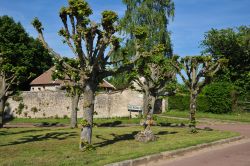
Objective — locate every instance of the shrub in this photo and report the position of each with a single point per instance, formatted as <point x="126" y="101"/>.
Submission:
<point x="20" y="108"/>
<point x="181" y="103"/>
<point x="34" y="110"/>
<point x="219" y="97"/>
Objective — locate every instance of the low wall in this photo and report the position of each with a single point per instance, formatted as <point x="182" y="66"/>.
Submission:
<point x="47" y="104"/>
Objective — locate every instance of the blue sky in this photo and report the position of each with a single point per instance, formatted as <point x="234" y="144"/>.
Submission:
<point x="192" y="19"/>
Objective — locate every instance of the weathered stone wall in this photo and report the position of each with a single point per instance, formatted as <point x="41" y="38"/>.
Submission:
<point x="47" y="104"/>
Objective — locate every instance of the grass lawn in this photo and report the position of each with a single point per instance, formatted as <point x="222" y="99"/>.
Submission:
<point x="240" y="117"/>
<point x="59" y="146"/>
<point x="98" y="121"/>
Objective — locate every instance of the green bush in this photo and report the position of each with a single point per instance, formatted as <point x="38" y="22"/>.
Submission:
<point x="178" y="102"/>
<point x="181" y="103"/>
<point x="219" y="97"/>
<point x="202" y="103"/>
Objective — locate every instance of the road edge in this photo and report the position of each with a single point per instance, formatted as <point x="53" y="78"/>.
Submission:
<point x="169" y="154"/>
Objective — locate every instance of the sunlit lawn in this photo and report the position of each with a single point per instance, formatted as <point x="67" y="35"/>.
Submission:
<point x="239" y="116"/>
<point x="59" y="146"/>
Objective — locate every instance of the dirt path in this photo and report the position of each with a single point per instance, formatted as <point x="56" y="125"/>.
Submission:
<point x="233" y="154"/>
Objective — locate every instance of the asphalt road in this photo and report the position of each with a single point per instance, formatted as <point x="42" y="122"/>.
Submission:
<point x="233" y="154"/>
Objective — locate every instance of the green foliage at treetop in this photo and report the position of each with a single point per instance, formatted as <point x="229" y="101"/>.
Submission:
<point x="20" y="54"/>
<point x="153" y="16"/>
<point x="234" y="45"/>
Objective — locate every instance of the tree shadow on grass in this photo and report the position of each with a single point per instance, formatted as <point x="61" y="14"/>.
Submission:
<point x="43" y="137"/>
<point x="109" y="124"/>
<point x="166" y="132"/>
<point x="163" y="124"/>
<point x="124" y="137"/>
<point x="5" y="133"/>
<point x="116" y="138"/>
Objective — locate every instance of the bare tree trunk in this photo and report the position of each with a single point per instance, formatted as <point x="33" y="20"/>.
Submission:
<point x="2" y="106"/>
<point x="88" y="112"/>
<point x="192" y="108"/>
<point x="75" y="101"/>
<point x="145" y="104"/>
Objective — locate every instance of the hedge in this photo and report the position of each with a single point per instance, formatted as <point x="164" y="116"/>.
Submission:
<point x="181" y="102"/>
<point x="217" y="98"/>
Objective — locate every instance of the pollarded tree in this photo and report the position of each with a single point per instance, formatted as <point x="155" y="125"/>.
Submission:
<point x="21" y="59"/>
<point x="99" y="42"/>
<point x="72" y="83"/>
<point x="196" y="72"/>
<point x="155" y="75"/>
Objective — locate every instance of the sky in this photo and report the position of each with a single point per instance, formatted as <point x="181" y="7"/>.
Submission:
<point x="192" y="19"/>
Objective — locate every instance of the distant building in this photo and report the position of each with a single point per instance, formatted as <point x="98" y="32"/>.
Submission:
<point x="45" y="83"/>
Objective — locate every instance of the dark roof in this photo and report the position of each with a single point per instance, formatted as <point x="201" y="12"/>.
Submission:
<point x="46" y="79"/>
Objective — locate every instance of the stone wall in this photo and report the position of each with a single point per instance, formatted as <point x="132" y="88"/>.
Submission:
<point x="47" y="104"/>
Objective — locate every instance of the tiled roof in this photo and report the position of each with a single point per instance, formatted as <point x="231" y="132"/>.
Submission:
<point x="106" y="84"/>
<point x="46" y="79"/>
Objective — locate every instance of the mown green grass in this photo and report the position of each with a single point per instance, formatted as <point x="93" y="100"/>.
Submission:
<point x="59" y="146"/>
<point x="239" y="117"/>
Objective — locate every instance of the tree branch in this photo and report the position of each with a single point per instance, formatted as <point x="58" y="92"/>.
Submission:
<point x="9" y="84"/>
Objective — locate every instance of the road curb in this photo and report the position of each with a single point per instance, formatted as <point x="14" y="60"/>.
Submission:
<point x="168" y="154"/>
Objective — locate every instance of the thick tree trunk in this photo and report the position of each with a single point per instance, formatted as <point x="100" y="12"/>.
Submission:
<point x="88" y="112"/>
<point x="74" y="107"/>
<point x="192" y="108"/>
<point x="2" y="106"/>
<point x="148" y="108"/>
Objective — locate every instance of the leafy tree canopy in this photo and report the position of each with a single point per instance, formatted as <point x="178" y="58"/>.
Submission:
<point x="234" y="45"/>
<point x="21" y="55"/>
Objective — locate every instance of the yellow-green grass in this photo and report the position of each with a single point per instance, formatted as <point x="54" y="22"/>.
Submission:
<point x="59" y="146"/>
<point x="238" y="116"/>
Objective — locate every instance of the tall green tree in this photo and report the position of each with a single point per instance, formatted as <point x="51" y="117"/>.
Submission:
<point x="234" y="45"/>
<point x="99" y="42"/>
<point x="21" y="59"/>
<point x="196" y="72"/>
<point x="154" y="16"/>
